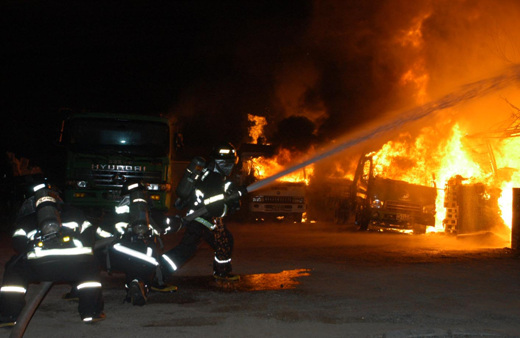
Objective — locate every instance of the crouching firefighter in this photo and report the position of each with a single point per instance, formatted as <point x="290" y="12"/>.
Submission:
<point x="207" y="193"/>
<point x="133" y="245"/>
<point x="53" y="244"/>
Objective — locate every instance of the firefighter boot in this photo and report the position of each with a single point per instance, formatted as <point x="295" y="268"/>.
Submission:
<point x="94" y="319"/>
<point x="7" y="321"/>
<point x="158" y="284"/>
<point x="72" y="295"/>
<point x="137" y="293"/>
<point x="222" y="272"/>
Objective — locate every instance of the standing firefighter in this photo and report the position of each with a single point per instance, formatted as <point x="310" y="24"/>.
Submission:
<point x="133" y="243"/>
<point x="53" y="244"/>
<point x="206" y="191"/>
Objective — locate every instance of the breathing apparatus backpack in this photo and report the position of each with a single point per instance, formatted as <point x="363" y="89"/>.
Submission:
<point x="48" y="217"/>
<point x="192" y="175"/>
<point x="139" y="216"/>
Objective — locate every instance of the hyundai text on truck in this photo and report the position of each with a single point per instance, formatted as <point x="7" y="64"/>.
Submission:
<point x="105" y="150"/>
<point x="383" y="203"/>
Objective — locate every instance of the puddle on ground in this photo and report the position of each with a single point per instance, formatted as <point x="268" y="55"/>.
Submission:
<point x="287" y="279"/>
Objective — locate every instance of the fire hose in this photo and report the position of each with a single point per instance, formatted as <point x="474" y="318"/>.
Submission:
<point x="266" y="181"/>
<point x="29" y="309"/>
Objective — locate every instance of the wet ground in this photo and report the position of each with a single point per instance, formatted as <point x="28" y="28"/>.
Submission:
<point x="317" y="280"/>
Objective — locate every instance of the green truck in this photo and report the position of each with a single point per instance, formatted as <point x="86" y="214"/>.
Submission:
<point x="105" y="150"/>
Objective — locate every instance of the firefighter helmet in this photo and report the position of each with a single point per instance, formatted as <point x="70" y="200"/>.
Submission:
<point x="225" y="157"/>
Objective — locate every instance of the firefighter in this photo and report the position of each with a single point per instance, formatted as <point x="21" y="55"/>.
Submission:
<point x="212" y="196"/>
<point x="132" y="245"/>
<point x="53" y="243"/>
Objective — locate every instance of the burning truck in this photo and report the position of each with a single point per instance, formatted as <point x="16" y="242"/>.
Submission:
<point x="384" y="203"/>
<point x="282" y="200"/>
<point x="419" y="184"/>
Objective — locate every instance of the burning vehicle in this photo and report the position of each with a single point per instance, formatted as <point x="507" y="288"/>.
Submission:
<point x="379" y="202"/>
<point x="285" y="200"/>
<point x="282" y="200"/>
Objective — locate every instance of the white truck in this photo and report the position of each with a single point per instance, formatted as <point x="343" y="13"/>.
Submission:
<point x="281" y="200"/>
<point x="277" y="201"/>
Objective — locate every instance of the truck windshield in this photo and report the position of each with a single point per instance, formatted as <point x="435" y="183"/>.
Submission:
<point x="135" y="138"/>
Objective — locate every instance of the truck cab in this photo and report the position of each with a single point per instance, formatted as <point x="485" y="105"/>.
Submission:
<point x="383" y="203"/>
<point x="105" y="150"/>
<point x="281" y="200"/>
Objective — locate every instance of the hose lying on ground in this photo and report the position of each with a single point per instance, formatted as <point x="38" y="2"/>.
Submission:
<point x="29" y="309"/>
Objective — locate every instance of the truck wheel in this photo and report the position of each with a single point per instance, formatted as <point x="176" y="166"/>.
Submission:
<point x="338" y="219"/>
<point x="362" y="220"/>
<point x="363" y="225"/>
<point x="251" y="217"/>
<point x="297" y="218"/>
<point x="343" y="217"/>
<point x="419" y="229"/>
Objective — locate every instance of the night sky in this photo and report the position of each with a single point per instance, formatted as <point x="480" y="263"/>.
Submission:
<point x="315" y="69"/>
<point x="206" y="63"/>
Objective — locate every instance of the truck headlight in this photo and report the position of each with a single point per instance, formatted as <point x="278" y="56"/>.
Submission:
<point x="299" y="200"/>
<point x="81" y="184"/>
<point x="158" y="187"/>
<point x="376" y="204"/>
<point x="429" y="209"/>
<point x="257" y="199"/>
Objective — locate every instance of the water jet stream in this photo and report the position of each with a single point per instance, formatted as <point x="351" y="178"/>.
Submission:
<point x="465" y="93"/>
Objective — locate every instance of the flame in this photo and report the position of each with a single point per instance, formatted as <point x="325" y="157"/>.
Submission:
<point x="413" y="35"/>
<point x="256" y="128"/>
<point x="507" y="160"/>
<point x="417" y="162"/>
<point x="417" y="74"/>
<point x="265" y="167"/>
<point x="435" y="158"/>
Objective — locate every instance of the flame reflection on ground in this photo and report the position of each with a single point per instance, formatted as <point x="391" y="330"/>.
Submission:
<point x="286" y="279"/>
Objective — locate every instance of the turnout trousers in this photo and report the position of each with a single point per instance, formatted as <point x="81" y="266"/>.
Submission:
<point x="81" y="270"/>
<point x="220" y="239"/>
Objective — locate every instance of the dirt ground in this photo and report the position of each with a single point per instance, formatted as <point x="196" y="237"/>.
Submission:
<point x="316" y="280"/>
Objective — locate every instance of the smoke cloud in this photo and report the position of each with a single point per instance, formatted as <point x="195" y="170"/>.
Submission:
<point x="343" y="64"/>
<point x="339" y="64"/>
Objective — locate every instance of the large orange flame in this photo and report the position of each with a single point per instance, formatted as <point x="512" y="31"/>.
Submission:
<point x="416" y="163"/>
<point x="262" y="167"/>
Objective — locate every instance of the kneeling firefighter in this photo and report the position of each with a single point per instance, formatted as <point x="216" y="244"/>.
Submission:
<point x="53" y="244"/>
<point x="133" y="245"/>
<point x="206" y="191"/>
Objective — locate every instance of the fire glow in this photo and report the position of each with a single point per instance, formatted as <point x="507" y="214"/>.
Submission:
<point x="263" y="167"/>
<point x="430" y="65"/>
<point x="432" y="158"/>
<point x="417" y="162"/>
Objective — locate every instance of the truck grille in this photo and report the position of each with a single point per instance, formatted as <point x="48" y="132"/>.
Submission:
<point x="404" y="207"/>
<point x="115" y="179"/>
<point x="277" y="199"/>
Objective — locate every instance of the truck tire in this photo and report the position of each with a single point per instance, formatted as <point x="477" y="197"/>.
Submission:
<point x="362" y="220"/>
<point x="252" y="217"/>
<point x="297" y="217"/>
<point x="363" y="225"/>
<point x="338" y="219"/>
<point x="419" y="229"/>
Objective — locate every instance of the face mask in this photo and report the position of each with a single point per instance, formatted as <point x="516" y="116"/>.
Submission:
<point x="225" y="166"/>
